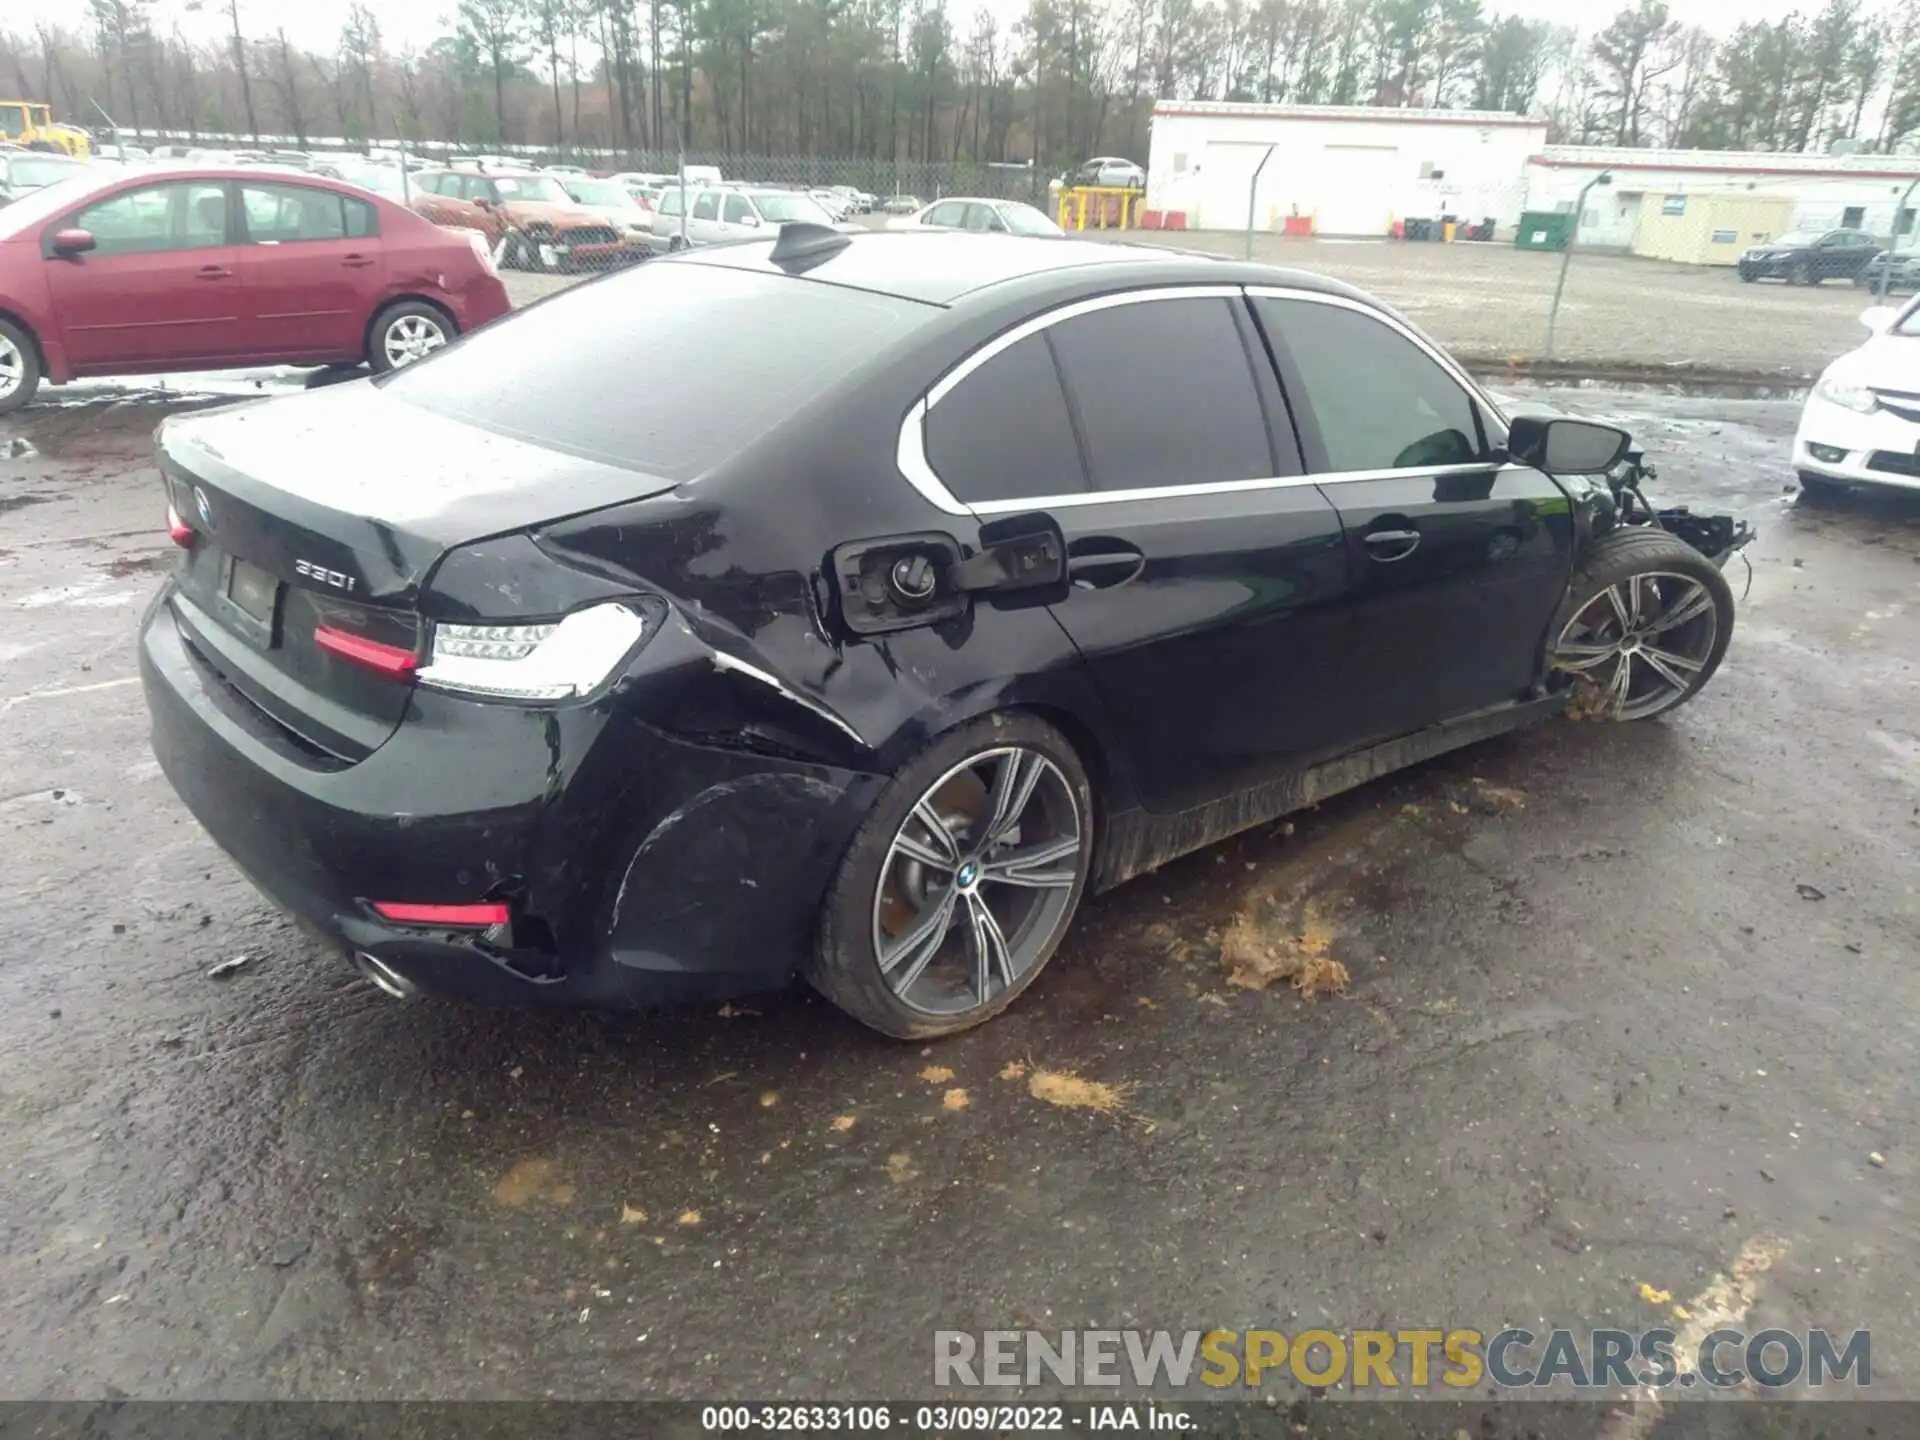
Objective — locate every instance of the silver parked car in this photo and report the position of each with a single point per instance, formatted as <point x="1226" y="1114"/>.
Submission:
<point x="718" y="214"/>
<point x="962" y="212"/>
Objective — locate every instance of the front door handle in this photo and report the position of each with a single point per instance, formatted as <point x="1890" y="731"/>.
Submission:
<point x="1114" y="563"/>
<point x="355" y="262"/>
<point x="212" y="272"/>
<point x="1387" y="546"/>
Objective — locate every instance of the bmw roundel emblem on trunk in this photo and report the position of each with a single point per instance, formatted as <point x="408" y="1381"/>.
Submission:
<point x="204" y="506"/>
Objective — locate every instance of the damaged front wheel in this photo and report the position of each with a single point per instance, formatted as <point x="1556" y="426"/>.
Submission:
<point x="1644" y="627"/>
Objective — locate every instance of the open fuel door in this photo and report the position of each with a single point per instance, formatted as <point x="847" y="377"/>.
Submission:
<point x="898" y="582"/>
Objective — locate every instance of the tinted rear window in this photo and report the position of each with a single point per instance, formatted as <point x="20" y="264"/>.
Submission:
<point x="667" y="369"/>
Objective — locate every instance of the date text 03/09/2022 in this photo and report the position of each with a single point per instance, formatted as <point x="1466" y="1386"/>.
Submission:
<point x="881" y="1418"/>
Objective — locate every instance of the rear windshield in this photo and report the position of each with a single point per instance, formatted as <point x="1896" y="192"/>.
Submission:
<point x="666" y="369"/>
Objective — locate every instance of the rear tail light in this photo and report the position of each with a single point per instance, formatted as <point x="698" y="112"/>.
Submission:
<point x="555" y="661"/>
<point x="178" y="531"/>
<point x="393" y="661"/>
<point x="478" y="917"/>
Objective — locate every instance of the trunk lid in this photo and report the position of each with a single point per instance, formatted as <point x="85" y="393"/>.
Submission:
<point x="331" y="510"/>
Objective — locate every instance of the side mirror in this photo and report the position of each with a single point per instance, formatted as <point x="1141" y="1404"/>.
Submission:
<point x="1878" y="318"/>
<point x="752" y="222"/>
<point x="1566" y="447"/>
<point x="73" y="242"/>
<point x="484" y="203"/>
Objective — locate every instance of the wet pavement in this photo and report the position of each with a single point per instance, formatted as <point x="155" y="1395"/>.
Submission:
<point x="1628" y="1007"/>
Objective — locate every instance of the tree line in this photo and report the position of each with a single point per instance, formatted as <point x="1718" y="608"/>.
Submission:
<point x="915" y="80"/>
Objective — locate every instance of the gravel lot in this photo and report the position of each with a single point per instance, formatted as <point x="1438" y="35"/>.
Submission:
<point x="1489" y="303"/>
<point x="1632" y="1009"/>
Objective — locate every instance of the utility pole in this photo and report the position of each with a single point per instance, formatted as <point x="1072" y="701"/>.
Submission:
<point x="1605" y="177"/>
<point x="1886" y="270"/>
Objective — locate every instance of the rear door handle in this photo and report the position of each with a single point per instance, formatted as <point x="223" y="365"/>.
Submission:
<point x="212" y="272"/>
<point x="355" y="262"/>
<point x="1114" y="563"/>
<point x="1387" y="546"/>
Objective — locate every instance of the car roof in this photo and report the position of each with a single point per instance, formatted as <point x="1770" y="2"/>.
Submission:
<point x="941" y="267"/>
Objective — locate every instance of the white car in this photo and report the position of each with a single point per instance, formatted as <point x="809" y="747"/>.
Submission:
<point x="1110" y="171"/>
<point x="961" y="212"/>
<point x="1861" y="424"/>
<point x="718" y="215"/>
<point x="833" y="202"/>
<point x="610" y="201"/>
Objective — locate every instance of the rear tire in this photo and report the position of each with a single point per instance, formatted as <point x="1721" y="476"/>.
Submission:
<point x="404" y="332"/>
<point x="19" y="368"/>
<point x="980" y="847"/>
<point x="1645" y="624"/>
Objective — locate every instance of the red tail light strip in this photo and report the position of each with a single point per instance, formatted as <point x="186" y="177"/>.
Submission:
<point x="178" y="531"/>
<point x="389" y="660"/>
<point x="407" y="914"/>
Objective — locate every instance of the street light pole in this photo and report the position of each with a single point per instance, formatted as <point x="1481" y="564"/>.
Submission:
<point x="1605" y="177"/>
<point x="1886" y="270"/>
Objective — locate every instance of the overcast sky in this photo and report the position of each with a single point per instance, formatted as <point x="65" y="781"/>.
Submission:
<point x="316" y="23"/>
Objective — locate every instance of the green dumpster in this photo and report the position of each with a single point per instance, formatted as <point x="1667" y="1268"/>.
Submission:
<point x="1544" y="230"/>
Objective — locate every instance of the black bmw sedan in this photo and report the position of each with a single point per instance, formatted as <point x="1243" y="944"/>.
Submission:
<point x="854" y="606"/>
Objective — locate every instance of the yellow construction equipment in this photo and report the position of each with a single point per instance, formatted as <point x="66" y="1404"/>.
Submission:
<point x="30" y="123"/>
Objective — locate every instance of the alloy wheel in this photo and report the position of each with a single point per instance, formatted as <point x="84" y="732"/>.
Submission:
<point x="978" y="881"/>
<point x="1642" y="643"/>
<point x="412" y="337"/>
<point x="13" y="367"/>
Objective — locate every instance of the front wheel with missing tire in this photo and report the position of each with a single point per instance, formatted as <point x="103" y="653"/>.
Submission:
<point x="961" y="883"/>
<point x="1644" y="626"/>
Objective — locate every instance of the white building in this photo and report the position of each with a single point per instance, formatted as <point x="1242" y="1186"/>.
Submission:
<point x="1353" y="170"/>
<point x="1853" y="192"/>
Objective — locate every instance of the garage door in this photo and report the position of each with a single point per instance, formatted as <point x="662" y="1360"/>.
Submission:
<point x="1357" y="185"/>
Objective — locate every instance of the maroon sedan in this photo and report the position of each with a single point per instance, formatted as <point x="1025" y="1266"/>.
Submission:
<point x="125" y="272"/>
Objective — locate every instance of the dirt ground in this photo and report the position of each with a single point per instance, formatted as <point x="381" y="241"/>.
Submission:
<point x="1630" y="1006"/>
<point x="1489" y="305"/>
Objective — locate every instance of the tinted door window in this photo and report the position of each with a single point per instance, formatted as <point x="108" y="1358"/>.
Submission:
<point x="945" y="213"/>
<point x="1379" y="401"/>
<point x="706" y="207"/>
<point x="181" y="216"/>
<point x="1004" y="433"/>
<point x="981" y="217"/>
<point x="737" y="209"/>
<point x="669" y="202"/>
<point x="285" y="214"/>
<point x="1164" y="393"/>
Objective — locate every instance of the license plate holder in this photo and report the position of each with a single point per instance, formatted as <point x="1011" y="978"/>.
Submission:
<point x="255" y="597"/>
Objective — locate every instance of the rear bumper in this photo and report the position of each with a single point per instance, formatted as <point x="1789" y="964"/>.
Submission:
<point x="640" y="869"/>
<point x="1867" y="446"/>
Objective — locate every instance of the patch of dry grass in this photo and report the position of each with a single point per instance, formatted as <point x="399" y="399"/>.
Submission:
<point x="1256" y="957"/>
<point x="1070" y="1092"/>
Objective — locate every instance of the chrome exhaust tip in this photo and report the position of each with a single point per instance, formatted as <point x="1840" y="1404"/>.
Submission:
<point x="383" y="977"/>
